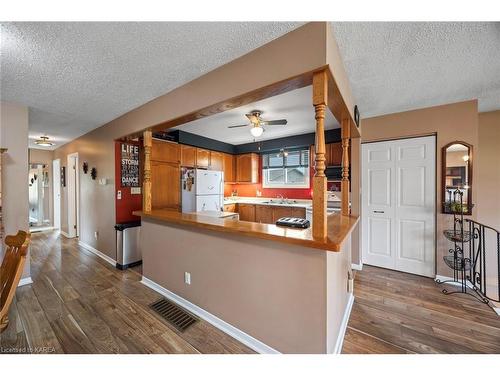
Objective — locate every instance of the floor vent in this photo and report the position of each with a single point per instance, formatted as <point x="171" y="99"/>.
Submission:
<point x="173" y="314"/>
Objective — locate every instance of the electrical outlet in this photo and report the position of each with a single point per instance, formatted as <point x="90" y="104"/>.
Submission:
<point x="96" y="234"/>
<point x="187" y="278"/>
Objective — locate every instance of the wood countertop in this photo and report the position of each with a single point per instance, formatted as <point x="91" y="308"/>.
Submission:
<point x="339" y="228"/>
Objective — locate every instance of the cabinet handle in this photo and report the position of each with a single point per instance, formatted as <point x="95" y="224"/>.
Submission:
<point x="378" y="212"/>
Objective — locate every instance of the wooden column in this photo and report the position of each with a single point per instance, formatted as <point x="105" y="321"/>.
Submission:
<point x="146" y="190"/>
<point x="344" y="187"/>
<point x="320" y="99"/>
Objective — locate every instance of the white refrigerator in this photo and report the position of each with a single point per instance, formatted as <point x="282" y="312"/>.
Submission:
<point x="202" y="190"/>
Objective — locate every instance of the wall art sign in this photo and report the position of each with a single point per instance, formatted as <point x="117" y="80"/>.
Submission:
<point x="129" y="165"/>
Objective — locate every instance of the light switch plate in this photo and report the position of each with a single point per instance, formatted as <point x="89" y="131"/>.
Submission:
<point x="187" y="278"/>
<point x="119" y="194"/>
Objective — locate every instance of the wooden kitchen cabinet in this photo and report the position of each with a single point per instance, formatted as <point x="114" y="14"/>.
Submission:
<point x="279" y="212"/>
<point x="334" y="154"/>
<point x="202" y="158"/>
<point x="247" y="168"/>
<point x="165" y="151"/>
<point x="264" y="214"/>
<point x="188" y="156"/>
<point x="246" y="211"/>
<point x="299" y="212"/>
<point x="216" y="161"/>
<point x="228" y="168"/>
<point x="230" y="207"/>
<point x="165" y="185"/>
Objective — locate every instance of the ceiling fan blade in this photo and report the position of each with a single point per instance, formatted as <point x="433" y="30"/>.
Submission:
<point x="237" y="126"/>
<point x="252" y="118"/>
<point x="274" y="122"/>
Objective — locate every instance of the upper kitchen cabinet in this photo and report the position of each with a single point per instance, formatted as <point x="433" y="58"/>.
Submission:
<point x="202" y="158"/>
<point x="188" y="156"/>
<point x="165" y="151"/>
<point x="334" y="154"/>
<point x="216" y="161"/>
<point x="228" y="168"/>
<point x="247" y="168"/>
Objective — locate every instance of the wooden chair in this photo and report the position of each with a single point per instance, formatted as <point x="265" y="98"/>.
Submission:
<point x="11" y="271"/>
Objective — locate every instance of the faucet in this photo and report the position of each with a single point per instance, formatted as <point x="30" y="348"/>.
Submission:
<point x="280" y="197"/>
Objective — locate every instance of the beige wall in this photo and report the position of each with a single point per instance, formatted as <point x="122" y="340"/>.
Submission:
<point x="14" y="137"/>
<point x="273" y="62"/>
<point x="487" y="170"/>
<point x="45" y="157"/>
<point x="283" y="295"/>
<point x="458" y="121"/>
<point x="97" y="202"/>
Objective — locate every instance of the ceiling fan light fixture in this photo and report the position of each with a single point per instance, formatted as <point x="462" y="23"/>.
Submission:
<point x="44" y="142"/>
<point x="257" y="131"/>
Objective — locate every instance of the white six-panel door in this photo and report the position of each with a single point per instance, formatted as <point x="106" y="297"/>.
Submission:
<point x="398" y="204"/>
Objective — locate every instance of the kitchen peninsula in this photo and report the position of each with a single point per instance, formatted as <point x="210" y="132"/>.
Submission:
<point x="274" y="288"/>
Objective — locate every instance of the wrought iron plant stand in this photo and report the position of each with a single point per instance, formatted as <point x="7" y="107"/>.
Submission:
<point x="463" y="259"/>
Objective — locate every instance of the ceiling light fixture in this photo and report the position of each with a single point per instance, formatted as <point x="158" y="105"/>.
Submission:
<point x="282" y="153"/>
<point x="44" y="142"/>
<point x="257" y="131"/>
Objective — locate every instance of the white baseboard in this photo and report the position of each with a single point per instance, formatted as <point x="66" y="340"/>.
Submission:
<point x="232" y="331"/>
<point x="494" y="307"/>
<point x="25" y="281"/>
<point x="343" y="325"/>
<point x="98" y="253"/>
<point x="357" y="267"/>
<point x="65" y="234"/>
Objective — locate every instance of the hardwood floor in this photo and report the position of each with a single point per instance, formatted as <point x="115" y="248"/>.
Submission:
<point x="396" y="312"/>
<point x="80" y="304"/>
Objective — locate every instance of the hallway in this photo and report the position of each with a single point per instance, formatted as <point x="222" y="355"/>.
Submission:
<point x="396" y="312"/>
<point x="80" y="304"/>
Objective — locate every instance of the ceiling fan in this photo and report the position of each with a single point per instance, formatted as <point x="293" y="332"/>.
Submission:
<point x="257" y="123"/>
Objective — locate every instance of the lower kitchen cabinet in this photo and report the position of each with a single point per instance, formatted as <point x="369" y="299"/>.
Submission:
<point x="279" y="212"/>
<point x="246" y="211"/>
<point x="299" y="212"/>
<point x="264" y="214"/>
<point x="230" y="207"/>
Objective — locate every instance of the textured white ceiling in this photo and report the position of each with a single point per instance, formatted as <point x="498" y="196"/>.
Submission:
<point x="393" y="67"/>
<point x="295" y="106"/>
<point x="78" y="76"/>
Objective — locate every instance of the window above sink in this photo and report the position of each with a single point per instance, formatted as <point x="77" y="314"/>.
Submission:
<point x="286" y="169"/>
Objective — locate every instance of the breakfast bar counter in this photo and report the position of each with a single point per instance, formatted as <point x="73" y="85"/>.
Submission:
<point x="339" y="228"/>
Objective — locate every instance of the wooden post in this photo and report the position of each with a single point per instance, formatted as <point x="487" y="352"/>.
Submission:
<point x="146" y="193"/>
<point x="344" y="187"/>
<point x="320" y="99"/>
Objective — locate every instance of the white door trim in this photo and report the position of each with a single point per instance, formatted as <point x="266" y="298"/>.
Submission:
<point x="402" y="206"/>
<point x="73" y="195"/>
<point x="56" y="190"/>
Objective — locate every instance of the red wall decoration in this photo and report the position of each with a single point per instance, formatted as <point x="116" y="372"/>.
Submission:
<point x="129" y="202"/>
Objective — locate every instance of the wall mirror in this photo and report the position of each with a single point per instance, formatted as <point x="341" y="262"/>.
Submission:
<point x="457" y="174"/>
